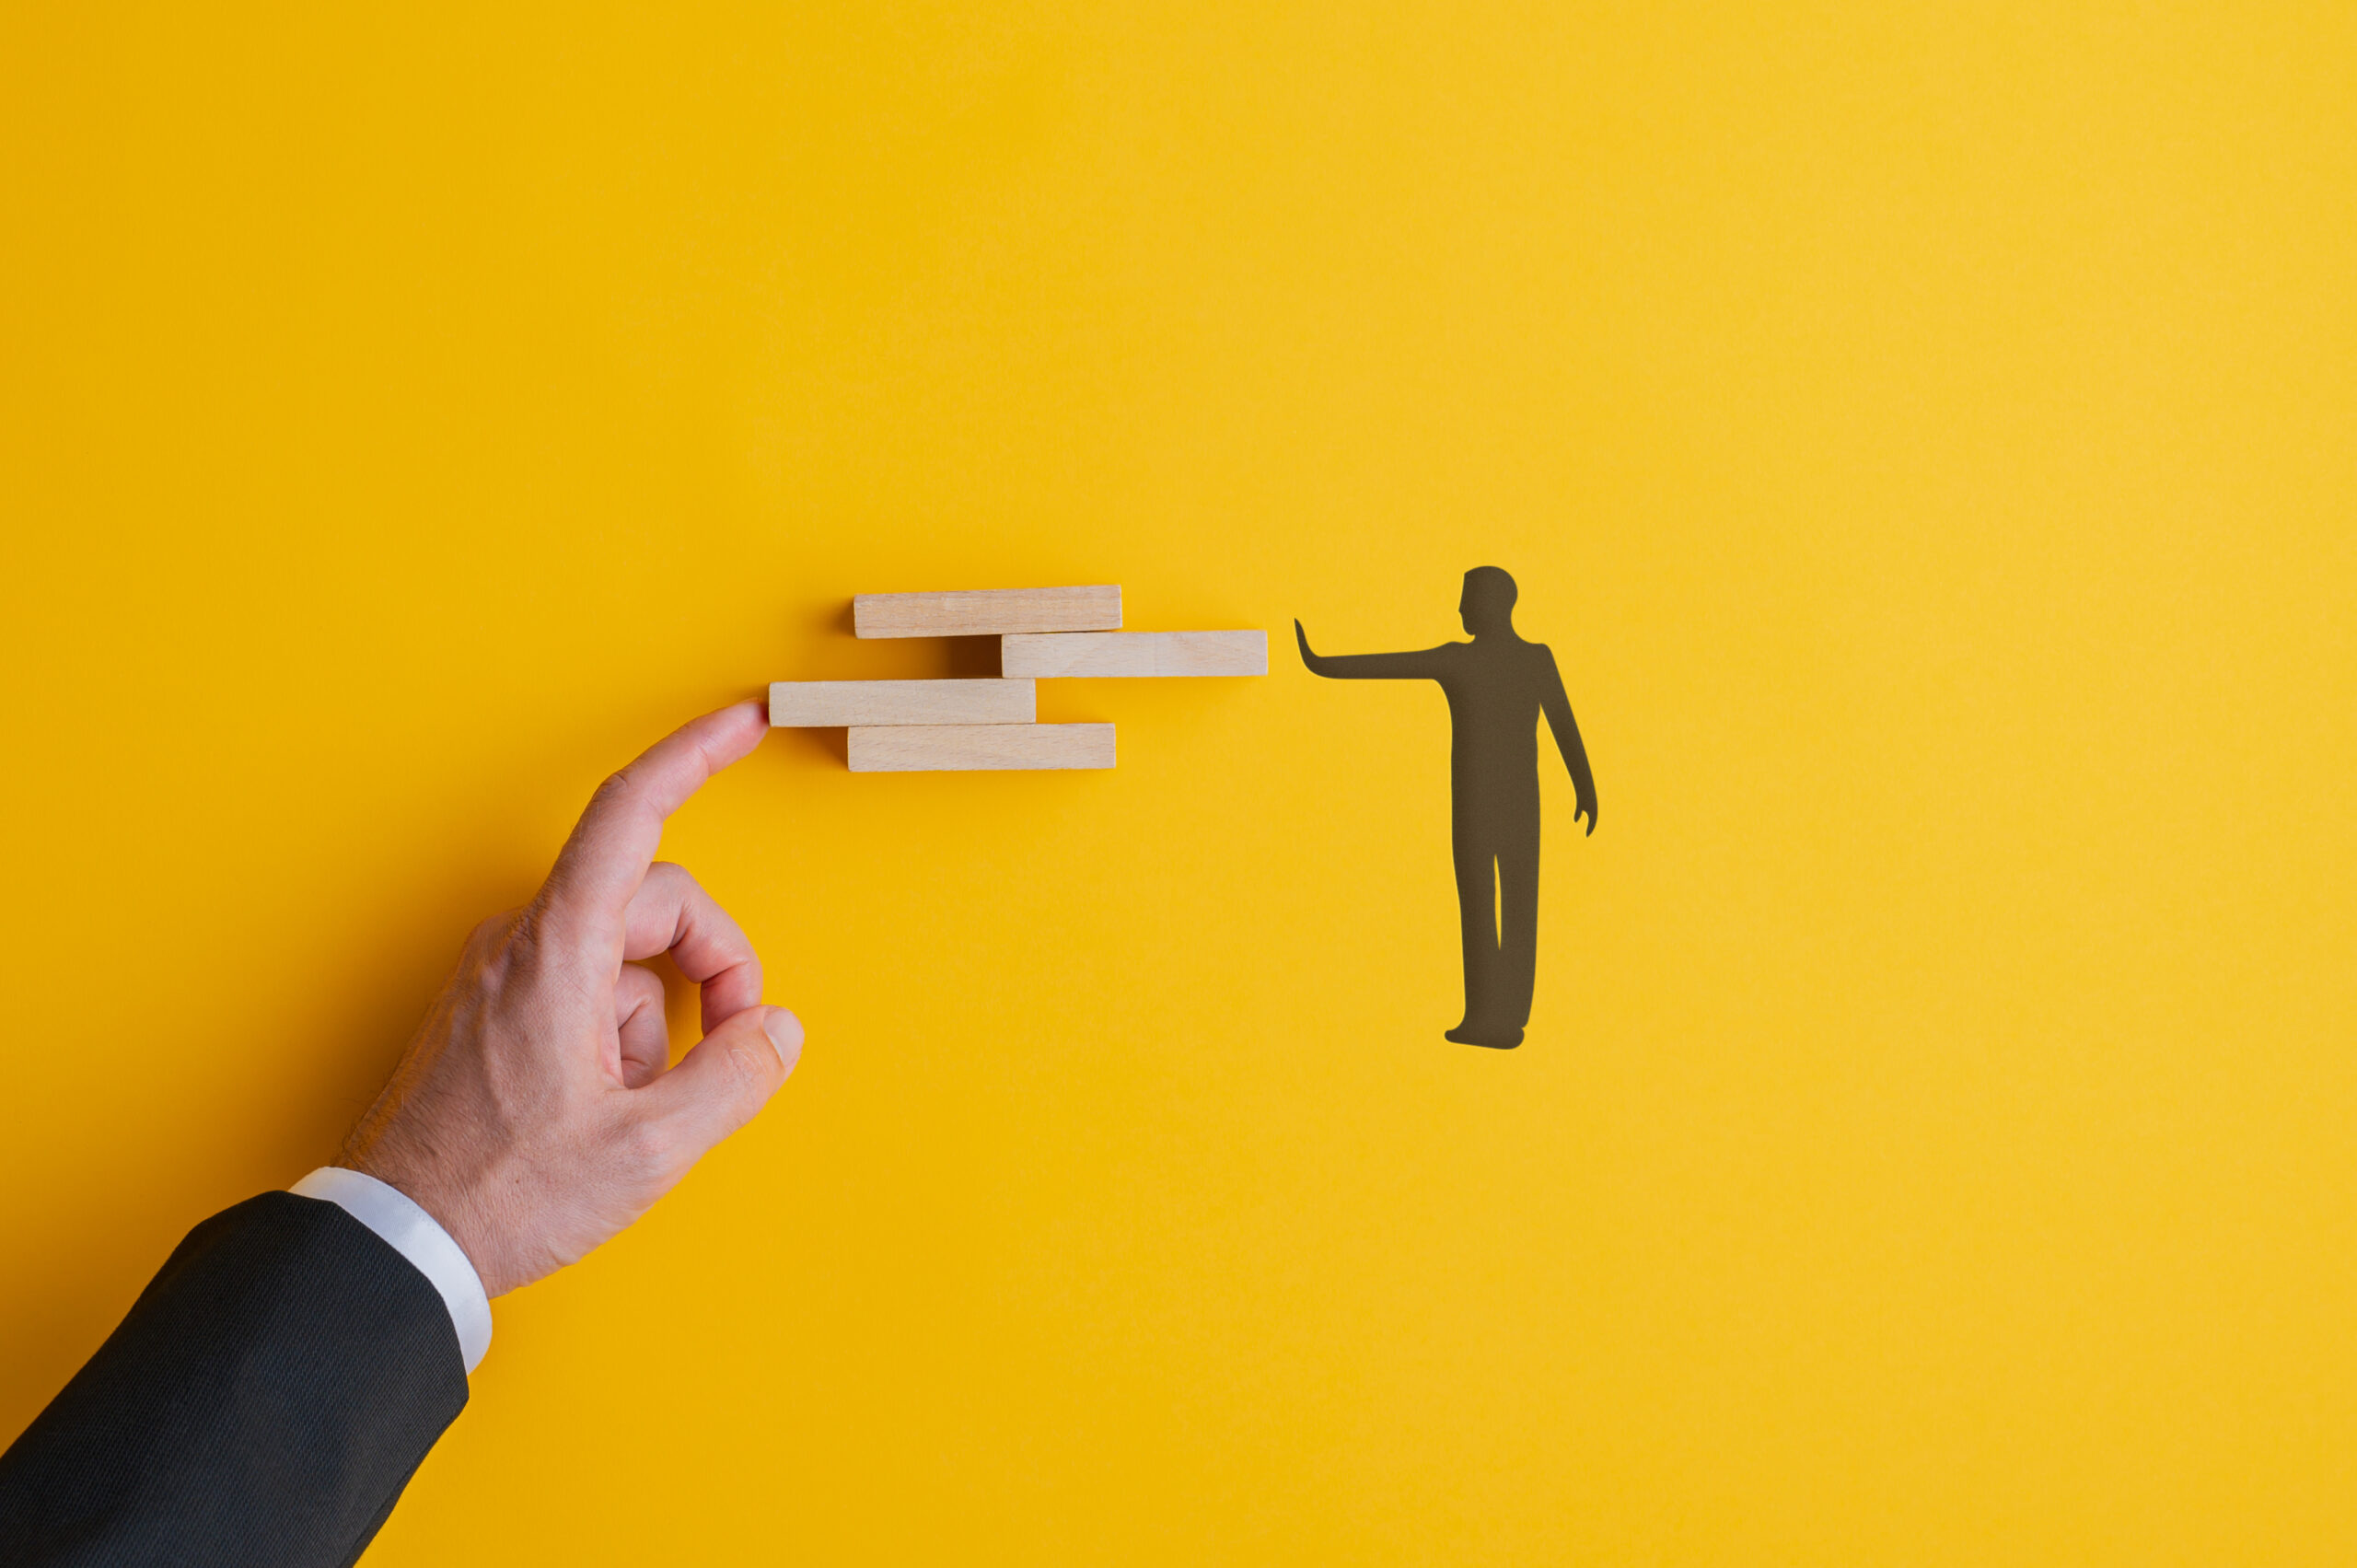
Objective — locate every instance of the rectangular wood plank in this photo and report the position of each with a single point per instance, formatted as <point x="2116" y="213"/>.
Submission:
<point x="990" y="613"/>
<point x="823" y="705"/>
<point x="946" y="747"/>
<point x="1135" y="653"/>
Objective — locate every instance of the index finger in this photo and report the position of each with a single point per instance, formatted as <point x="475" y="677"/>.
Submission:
<point x="604" y="861"/>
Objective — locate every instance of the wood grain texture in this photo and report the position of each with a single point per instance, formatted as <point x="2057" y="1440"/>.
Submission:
<point x="987" y="612"/>
<point x="1136" y="653"/>
<point x="822" y="704"/>
<point x="944" y="748"/>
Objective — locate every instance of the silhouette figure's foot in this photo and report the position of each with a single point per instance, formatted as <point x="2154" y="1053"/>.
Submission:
<point x="1471" y="1033"/>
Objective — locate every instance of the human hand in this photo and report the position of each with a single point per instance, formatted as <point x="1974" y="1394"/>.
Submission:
<point x="533" y="1115"/>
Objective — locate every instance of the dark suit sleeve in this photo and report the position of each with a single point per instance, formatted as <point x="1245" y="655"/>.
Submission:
<point x="269" y="1396"/>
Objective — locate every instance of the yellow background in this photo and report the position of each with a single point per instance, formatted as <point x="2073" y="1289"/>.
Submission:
<point x="1924" y="435"/>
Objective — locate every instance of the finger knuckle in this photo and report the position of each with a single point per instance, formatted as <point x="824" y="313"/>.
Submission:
<point x="751" y="1065"/>
<point x="649" y="1153"/>
<point x="550" y="926"/>
<point x="491" y="933"/>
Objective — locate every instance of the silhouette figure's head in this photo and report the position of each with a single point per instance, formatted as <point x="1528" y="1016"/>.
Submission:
<point x="1487" y="604"/>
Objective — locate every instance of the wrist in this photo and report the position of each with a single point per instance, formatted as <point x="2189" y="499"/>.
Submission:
<point x="402" y="1224"/>
<point x="443" y="1204"/>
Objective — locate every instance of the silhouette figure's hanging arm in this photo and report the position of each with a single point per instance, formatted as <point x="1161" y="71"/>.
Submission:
<point x="1557" y="705"/>
<point x="1433" y="663"/>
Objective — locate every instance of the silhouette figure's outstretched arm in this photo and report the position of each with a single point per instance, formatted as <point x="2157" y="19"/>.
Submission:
<point x="1423" y="665"/>
<point x="1558" y="708"/>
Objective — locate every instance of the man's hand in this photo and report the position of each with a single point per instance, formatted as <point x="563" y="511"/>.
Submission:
<point x="533" y="1116"/>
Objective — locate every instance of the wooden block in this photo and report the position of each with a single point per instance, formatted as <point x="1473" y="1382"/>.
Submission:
<point x="987" y="613"/>
<point x="934" y="747"/>
<point x="1136" y="653"/>
<point x="822" y="704"/>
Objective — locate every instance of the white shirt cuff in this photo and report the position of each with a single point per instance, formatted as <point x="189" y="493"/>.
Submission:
<point x="410" y="1231"/>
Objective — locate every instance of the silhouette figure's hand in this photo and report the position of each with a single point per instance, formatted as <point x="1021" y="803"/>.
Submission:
<point x="534" y="1116"/>
<point x="1586" y="807"/>
<point x="1308" y="659"/>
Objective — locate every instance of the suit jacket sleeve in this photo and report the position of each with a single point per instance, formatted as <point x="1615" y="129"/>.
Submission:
<point x="265" y="1402"/>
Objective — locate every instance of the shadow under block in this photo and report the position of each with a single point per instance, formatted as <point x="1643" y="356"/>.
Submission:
<point x="987" y="613"/>
<point x="824" y="705"/>
<point x="959" y="748"/>
<point x="1136" y="653"/>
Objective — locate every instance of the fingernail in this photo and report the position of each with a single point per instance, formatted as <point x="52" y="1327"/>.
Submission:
<point x="786" y="1035"/>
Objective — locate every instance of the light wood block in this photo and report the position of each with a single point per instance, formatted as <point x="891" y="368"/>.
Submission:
<point x="942" y="748"/>
<point x="1136" y="653"/>
<point x="823" y="705"/>
<point x="987" y="613"/>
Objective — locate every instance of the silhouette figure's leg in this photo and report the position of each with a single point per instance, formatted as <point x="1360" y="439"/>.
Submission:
<point x="1487" y="991"/>
<point x="1518" y="923"/>
<point x="1477" y="910"/>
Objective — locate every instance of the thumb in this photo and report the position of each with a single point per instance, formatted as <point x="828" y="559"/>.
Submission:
<point x="727" y="1079"/>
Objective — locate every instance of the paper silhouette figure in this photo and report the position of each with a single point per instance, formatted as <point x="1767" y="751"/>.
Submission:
<point x="1497" y="686"/>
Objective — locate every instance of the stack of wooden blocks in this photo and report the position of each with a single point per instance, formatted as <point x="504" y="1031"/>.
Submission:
<point x="901" y="726"/>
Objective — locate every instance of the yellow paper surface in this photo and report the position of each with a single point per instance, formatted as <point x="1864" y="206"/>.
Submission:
<point x="1923" y="433"/>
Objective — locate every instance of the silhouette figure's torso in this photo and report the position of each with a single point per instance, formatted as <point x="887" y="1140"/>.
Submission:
<point x="1494" y="687"/>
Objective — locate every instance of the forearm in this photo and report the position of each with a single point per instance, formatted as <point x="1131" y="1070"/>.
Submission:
<point x="1423" y="665"/>
<point x="1374" y="666"/>
<point x="1567" y="741"/>
<point x="264" y="1403"/>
